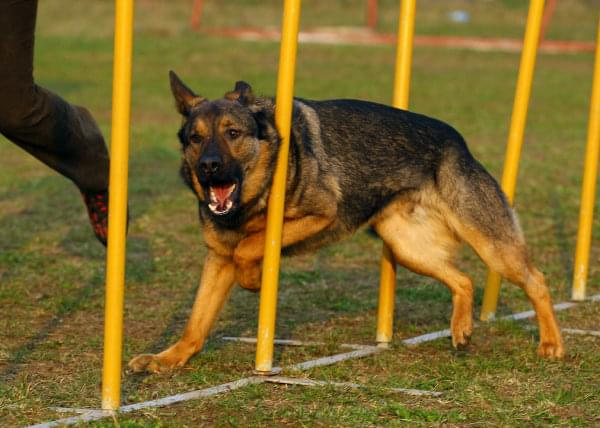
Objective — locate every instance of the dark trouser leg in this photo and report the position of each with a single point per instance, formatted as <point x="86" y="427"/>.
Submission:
<point x="63" y="136"/>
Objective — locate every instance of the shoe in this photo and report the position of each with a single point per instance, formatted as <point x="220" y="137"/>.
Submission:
<point x="97" y="208"/>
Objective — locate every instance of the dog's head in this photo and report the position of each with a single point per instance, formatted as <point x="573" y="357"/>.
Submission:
<point x="228" y="146"/>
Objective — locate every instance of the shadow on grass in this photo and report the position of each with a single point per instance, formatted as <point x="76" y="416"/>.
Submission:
<point x="560" y="234"/>
<point x="21" y="229"/>
<point x="54" y="209"/>
<point x="67" y="306"/>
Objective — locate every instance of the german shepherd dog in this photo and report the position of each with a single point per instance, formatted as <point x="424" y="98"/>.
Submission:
<point x="351" y="163"/>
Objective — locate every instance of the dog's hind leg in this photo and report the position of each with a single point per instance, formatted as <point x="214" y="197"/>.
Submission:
<point x="510" y="260"/>
<point x="479" y="213"/>
<point x="215" y="285"/>
<point x="422" y="242"/>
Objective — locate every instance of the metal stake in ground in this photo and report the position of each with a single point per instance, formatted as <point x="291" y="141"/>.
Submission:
<point x="515" y="136"/>
<point x="283" y="119"/>
<point x="588" y="187"/>
<point x="387" y="282"/>
<point x="117" y="219"/>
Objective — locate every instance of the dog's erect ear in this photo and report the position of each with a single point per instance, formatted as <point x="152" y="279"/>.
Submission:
<point x="185" y="98"/>
<point x="265" y="120"/>
<point x="242" y="93"/>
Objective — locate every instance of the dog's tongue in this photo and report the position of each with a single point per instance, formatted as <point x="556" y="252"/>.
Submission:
<point x="222" y="193"/>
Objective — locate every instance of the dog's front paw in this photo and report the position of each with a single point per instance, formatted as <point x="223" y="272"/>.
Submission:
<point x="146" y="363"/>
<point x="551" y="350"/>
<point x="176" y="356"/>
<point x="461" y="327"/>
<point x="153" y="363"/>
<point x="461" y="337"/>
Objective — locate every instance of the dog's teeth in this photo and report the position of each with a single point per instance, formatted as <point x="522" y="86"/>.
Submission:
<point x="220" y="204"/>
<point x="214" y="207"/>
<point x="231" y="190"/>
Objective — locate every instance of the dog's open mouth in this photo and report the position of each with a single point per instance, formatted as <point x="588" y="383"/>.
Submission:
<point x="221" y="198"/>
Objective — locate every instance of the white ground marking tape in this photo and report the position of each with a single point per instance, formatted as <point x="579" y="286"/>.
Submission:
<point x="581" y="332"/>
<point x="94" y="415"/>
<point x="311" y="382"/>
<point x="289" y="342"/>
<point x="447" y="333"/>
<point x="427" y="337"/>
<point x="284" y="342"/>
<point x="326" y="361"/>
<point x="362" y="352"/>
<point x="531" y="314"/>
<point x="76" y="410"/>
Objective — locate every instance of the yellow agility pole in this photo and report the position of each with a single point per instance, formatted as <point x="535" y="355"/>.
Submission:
<point x="588" y="187"/>
<point x="283" y="120"/>
<point x="387" y="281"/>
<point x="117" y="218"/>
<point x="515" y="136"/>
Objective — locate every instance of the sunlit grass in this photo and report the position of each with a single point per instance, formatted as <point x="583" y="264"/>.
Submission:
<point x="52" y="269"/>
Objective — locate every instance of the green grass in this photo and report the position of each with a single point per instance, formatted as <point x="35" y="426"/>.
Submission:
<point x="52" y="269"/>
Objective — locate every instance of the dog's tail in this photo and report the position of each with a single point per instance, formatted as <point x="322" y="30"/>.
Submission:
<point x="474" y="196"/>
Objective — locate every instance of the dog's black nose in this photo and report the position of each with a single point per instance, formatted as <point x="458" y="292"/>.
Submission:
<point x="211" y="164"/>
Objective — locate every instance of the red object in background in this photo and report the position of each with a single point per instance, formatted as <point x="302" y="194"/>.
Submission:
<point x="196" y="14"/>
<point x="372" y="12"/>
<point x="548" y="13"/>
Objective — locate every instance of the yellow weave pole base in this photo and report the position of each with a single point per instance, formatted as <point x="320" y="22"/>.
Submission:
<point x="515" y="136"/>
<point x="117" y="219"/>
<point x="283" y="119"/>
<point x="588" y="187"/>
<point x="387" y="281"/>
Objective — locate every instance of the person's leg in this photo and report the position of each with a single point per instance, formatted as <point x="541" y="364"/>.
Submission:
<point x="63" y="136"/>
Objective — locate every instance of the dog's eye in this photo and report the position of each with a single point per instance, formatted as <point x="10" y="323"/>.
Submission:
<point x="195" y="138"/>
<point x="233" y="133"/>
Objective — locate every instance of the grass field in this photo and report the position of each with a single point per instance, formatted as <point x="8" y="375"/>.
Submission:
<point x="52" y="269"/>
